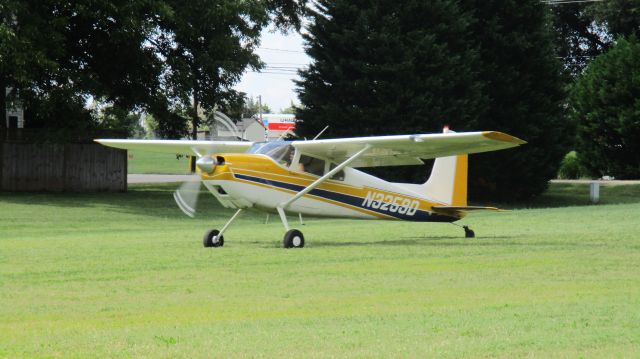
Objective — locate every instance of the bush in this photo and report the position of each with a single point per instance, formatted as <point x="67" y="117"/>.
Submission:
<point x="571" y="168"/>
<point x="605" y="104"/>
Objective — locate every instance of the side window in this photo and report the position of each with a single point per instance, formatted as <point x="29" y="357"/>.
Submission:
<point x="338" y="176"/>
<point x="311" y="165"/>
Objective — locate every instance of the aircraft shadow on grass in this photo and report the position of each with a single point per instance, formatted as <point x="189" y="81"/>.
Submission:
<point x="447" y="241"/>
<point x="407" y="242"/>
<point x="403" y="242"/>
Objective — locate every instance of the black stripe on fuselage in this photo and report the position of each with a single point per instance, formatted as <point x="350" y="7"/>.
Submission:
<point x="419" y="216"/>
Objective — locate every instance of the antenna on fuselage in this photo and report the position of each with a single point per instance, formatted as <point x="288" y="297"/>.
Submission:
<point x="321" y="132"/>
<point x="288" y="131"/>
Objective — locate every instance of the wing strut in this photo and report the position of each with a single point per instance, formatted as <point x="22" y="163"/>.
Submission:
<point x="282" y="206"/>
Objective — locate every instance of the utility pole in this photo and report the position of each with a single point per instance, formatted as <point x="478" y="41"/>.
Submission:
<point x="266" y="127"/>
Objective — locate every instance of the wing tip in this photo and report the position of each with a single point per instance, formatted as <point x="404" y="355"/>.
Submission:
<point x="501" y="136"/>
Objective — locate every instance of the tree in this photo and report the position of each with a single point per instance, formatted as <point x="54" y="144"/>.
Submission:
<point x="605" y="102"/>
<point x="584" y="30"/>
<point x="619" y="16"/>
<point x="56" y="54"/>
<point x="208" y="45"/>
<point x="378" y="63"/>
<point x="291" y="110"/>
<point x="382" y="67"/>
<point x="525" y="90"/>
<point x="253" y="107"/>
<point x="162" y="56"/>
<point x="27" y="58"/>
<point x="579" y="36"/>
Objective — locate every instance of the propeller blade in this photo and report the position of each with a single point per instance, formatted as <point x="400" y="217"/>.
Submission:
<point x="186" y="197"/>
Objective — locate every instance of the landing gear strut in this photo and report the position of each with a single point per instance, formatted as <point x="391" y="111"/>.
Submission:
<point x="468" y="232"/>
<point x="214" y="237"/>
<point x="293" y="238"/>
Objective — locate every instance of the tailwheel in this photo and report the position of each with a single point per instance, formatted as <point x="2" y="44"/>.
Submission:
<point x="293" y="239"/>
<point x="468" y="232"/>
<point x="212" y="239"/>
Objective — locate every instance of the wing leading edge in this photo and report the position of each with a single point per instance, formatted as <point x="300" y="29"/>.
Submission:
<point x="179" y="146"/>
<point x="407" y="149"/>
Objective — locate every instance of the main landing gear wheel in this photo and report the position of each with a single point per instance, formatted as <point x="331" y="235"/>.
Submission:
<point x="211" y="239"/>
<point x="293" y="239"/>
<point x="468" y="232"/>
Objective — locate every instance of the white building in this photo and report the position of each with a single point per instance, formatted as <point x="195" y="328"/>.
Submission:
<point x="272" y="127"/>
<point x="14" y="118"/>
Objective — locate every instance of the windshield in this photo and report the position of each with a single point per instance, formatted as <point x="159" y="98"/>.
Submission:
<point x="280" y="151"/>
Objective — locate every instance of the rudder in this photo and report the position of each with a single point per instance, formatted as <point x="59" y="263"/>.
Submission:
<point x="448" y="180"/>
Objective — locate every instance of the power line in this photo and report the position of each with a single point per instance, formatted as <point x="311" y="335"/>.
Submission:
<point x="280" y="50"/>
<point x="561" y="2"/>
<point x="275" y="73"/>
<point x="287" y="63"/>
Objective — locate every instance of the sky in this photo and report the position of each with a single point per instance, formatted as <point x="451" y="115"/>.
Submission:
<point x="281" y="53"/>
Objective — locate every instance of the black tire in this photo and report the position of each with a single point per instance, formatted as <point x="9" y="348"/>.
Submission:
<point x="207" y="240"/>
<point x="293" y="239"/>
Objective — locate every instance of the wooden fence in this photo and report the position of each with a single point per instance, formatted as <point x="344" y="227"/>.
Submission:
<point x="62" y="167"/>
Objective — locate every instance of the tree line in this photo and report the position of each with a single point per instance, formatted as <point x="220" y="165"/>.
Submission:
<point x="167" y="58"/>
<point x="548" y="73"/>
<point x="563" y="76"/>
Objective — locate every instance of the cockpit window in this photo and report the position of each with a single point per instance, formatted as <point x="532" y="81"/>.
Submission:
<point x="280" y="151"/>
<point x="338" y="176"/>
<point x="312" y="165"/>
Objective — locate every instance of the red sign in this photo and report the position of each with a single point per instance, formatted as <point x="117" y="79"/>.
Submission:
<point x="281" y="126"/>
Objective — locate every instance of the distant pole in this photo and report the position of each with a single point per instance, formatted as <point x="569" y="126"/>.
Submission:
<point x="266" y="128"/>
<point x="594" y="192"/>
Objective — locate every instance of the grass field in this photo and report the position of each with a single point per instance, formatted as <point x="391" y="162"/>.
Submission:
<point x="151" y="162"/>
<point x="125" y="275"/>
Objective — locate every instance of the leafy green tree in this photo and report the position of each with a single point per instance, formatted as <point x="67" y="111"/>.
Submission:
<point x="252" y="107"/>
<point x="621" y="17"/>
<point x="160" y="56"/>
<point x="605" y="102"/>
<point x="584" y="30"/>
<point x="386" y="67"/>
<point x="208" y="45"/>
<point x="382" y="67"/>
<point x="28" y="58"/>
<point x="525" y="90"/>
<point x="579" y="36"/>
<point x="291" y="110"/>
<point x="55" y="54"/>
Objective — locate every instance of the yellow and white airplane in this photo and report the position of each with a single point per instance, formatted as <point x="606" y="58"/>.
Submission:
<point x="319" y="177"/>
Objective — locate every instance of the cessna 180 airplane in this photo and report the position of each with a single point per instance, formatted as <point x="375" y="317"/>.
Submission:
<point x="319" y="177"/>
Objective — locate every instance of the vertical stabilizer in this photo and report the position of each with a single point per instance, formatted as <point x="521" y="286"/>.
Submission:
<point x="448" y="180"/>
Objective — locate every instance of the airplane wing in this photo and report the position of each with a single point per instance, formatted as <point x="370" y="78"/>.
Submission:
<point x="184" y="147"/>
<point x="407" y="149"/>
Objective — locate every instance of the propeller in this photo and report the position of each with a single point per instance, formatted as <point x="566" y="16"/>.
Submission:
<point x="186" y="196"/>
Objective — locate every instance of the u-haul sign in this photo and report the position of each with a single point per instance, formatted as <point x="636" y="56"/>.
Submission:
<point x="279" y="122"/>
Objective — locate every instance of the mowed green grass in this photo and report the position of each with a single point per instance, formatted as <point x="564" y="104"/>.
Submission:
<point x="152" y="162"/>
<point x="125" y="275"/>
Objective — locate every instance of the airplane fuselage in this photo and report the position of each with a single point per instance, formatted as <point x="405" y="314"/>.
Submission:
<point x="258" y="181"/>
